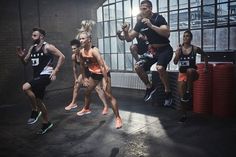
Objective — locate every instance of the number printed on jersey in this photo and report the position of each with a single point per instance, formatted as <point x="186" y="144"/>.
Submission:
<point x="184" y="63"/>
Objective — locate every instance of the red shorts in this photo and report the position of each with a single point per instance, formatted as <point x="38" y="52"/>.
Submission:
<point x="182" y="77"/>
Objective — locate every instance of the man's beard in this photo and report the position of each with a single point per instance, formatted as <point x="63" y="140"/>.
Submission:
<point x="37" y="41"/>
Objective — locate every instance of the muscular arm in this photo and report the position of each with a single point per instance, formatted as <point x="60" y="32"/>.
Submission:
<point x="163" y="30"/>
<point x="129" y="35"/>
<point x="177" y="54"/>
<point x="74" y="66"/>
<point x="61" y="58"/>
<point x="202" y="53"/>
<point x="22" y="54"/>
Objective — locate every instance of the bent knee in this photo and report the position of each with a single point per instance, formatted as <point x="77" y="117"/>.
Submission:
<point x="160" y="69"/>
<point x="26" y="86"/>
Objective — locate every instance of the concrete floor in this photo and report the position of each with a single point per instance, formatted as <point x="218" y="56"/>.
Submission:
<point x="148" y="131"/>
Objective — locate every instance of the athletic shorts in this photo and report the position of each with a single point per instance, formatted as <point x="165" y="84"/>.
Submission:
<point x="99" y="77"/>
<point x="38" y="85"/>
<point x="162" y="57"/>
<point x="182" y="77"/>
<point x="142" y="48"/>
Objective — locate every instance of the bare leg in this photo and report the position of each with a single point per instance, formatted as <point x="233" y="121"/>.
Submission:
<point x="192" y="76"/>
<point x="75" y="94"/>
<point x="142" y="75"/>
<point x="43" y="109"/>
<point x="164" y="77"/>
<point x="113" y="101"/>
<point x="134" y="52"/>
<point x="102" y="96"/>
<point x="27" y="89"/>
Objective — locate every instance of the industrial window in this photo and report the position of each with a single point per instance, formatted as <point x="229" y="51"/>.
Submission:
<point x="212" y="22"/>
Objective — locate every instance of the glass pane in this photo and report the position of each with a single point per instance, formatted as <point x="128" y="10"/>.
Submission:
<point x="121" y="65"/>
<point x="173" y="20"/>
<point x="107" y="58"/>
<point x="119" y="24"/>
<point x="173" y="4"/>
<point x="181" y="34"/>
<point x="174" y="42"/>
<point x="162" y="5"/>
<point x="232" y="12"/>
<point x="208" y="39"/>
<point x="114" y="45"/>
<point x="99" y="29"/>
<point x="119" y="10"/>
<point x="154" y="6"/>
<point x="196" y="37"/>
<point x="195" y="18"/>
<point x="222" y="39"/>
<point x="208" y="15"/>
<point x="106" y="29"/>
<point x="112" y="12"/>
<point x="183" y="19"/>
<point x="183" y="4"/>
<point x="165" y="15"/>
<point x="219" y="1"/>
<point x="107" y="45"/>
<point x="114" y="61"/>
<point x="208" y="2"/>
<point x="135" y="9"/>
<point x="128" y="62"/>
<point x="127" y="47"/>
<point x="100" y="45"/>
<point x="120" y="45"/>
<point x="106" y="13"/>
<point x="222" y="14"/>
<point x="128" y="21"/>
<point x="195" y="3"/>
<point x="127" y="8"/>
<point x="112" y="28"/>
<point x="232" y="38"/>
<point x="111" y="1"/>
<point x="106" y="2"/>
<point x="99" y="14"/>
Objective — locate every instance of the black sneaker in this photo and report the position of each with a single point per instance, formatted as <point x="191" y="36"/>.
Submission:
<point x="34" y="117"/>
<point x="186" y="97"/>
<point x="168" y="99"/>
<point x="45" y="128"/>
<point x="149" y="93"/>
<point x="183" y="119"/>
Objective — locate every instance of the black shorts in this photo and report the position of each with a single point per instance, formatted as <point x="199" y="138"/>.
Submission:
<point x="99" y="77"/>
<point x="38" y="85"/>
<point x="163" y="57"/>
<point x="142" y="48"/>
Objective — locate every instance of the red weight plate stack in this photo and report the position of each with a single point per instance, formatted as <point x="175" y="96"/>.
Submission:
<point x="202" y="90"/>
<point x="223" y="89"/>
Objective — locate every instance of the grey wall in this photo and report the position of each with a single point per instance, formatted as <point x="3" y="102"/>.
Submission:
<point x="60" y="19"/>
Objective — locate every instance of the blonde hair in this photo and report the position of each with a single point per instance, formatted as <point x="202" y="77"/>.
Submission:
<point x="86" y="26"/>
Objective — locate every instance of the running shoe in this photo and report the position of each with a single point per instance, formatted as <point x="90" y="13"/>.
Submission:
<point x="168" y="99"/>
<point x="45" y="128"/>
<point x="70" y="106"/>
<point x="34" y="117"/>
<point x="149" y="93"/>
<point x="83" y="112"/>
<point x="105" y="111"/>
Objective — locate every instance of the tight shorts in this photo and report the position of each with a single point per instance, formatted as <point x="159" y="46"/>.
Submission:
<point x="162" y="57"/>
<point x="39" y="84"/>
<point x="99" y="77"/>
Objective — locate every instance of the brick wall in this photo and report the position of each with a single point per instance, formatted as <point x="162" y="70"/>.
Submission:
<point x="60" y="19"/>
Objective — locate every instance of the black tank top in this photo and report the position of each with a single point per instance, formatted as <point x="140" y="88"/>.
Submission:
<point x="187" y="61"/>
<point x="41" y="62"/>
